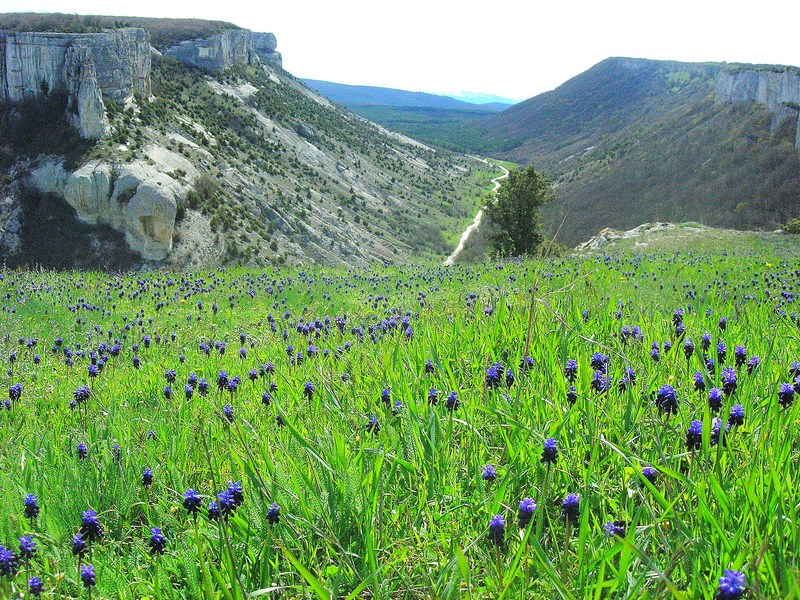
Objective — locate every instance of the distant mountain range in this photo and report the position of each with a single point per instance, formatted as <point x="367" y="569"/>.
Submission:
<point x="432" y="118"/>
<point x="478" y="98"/>
<point x="365" y="95"/>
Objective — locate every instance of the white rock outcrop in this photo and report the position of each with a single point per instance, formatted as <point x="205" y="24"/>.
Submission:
<point x="137" y="199"/>
<point x="231" y="47"/>
<point x="265" y="45"/>
<point x="644" y="234"/>
<point x="85" y="109"/>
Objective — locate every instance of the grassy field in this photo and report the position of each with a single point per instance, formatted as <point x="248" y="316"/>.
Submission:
<point x="472" y="193"/>
<point x="351" y="457"/>
<point x="506" y="163"/>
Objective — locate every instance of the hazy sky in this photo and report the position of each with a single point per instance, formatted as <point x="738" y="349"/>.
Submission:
<point x="514" y="49"/>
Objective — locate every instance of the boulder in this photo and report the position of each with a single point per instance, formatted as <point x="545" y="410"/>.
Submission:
<point x="305" y="131"/>
<point x="88" y="191"/>
<point x="150" y="220"/>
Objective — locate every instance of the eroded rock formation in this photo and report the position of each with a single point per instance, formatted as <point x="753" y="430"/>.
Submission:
<point x="231" y="47"/>
<point x="89" y="66"/>
<point x="136" y="198"/>
<point x="265" y="45"/>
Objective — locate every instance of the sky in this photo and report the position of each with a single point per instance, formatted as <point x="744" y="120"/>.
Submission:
<point x="514" y="49"/>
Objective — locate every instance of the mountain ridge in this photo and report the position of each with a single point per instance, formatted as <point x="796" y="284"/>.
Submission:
<point x="368" y="95"/>
<point x="631" y="141"/>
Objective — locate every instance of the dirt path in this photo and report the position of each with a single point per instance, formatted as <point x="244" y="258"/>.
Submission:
<point x="477" y="220"/>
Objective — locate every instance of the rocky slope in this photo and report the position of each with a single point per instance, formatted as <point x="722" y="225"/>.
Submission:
<point x="235" y="161"/>
<point x="640" y="235"/>
<point x="680" y="237"/>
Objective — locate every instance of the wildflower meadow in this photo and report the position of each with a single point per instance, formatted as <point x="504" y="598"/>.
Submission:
<point x="609" y="426"/>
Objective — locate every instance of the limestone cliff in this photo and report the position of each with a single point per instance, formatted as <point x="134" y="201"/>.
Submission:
<point x="265" y="45"/>
<point x="85" y="108"/>
<point x="779" y="91"/>
<point x="231" y="47"/>
<point x="89" y="66"/>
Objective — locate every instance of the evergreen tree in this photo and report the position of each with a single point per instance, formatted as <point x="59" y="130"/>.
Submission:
<point x="513" y="214"/>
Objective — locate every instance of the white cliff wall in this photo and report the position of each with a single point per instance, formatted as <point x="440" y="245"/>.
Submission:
<point x="88" y="66"/>
<point x="779" y="91"/>
<point x="231" y="47"/>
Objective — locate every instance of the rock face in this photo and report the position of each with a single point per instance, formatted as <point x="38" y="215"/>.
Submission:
<point x="113" y="65"/>
<point x="89" y="66"/>
<point x="265" y="45"/>
<point x="231" y="47"/>
<point x="10" y="225"/>
<point x="135" y="198"/>
<point x="85" y="108"/>
<point x="779" y="91"/>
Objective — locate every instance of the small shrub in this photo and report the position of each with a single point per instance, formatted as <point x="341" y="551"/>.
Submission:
<point x="792" y="226"/>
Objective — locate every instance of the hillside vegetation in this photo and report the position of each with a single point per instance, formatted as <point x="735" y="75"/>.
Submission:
<point x="290" y="168"/>
<point x="454" y="129"/>
<point x="163" y="32"/>
<point x="631" y="141"/>
<point x="274" y="172"/>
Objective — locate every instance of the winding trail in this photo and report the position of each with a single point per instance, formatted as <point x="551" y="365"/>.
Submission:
<point x="477" y="220"/>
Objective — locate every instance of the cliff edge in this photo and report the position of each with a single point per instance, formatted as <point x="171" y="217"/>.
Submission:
<point x="779" y="91"/>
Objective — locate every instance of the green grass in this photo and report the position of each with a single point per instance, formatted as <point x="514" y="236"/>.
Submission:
<point x="505" y="163"/>
<point x="403" y="512"/>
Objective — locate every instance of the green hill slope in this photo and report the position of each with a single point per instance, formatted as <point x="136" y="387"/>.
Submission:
<point x="631" y="141"/>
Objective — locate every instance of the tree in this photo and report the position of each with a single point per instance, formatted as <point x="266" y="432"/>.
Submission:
<point x="513" y="214"/>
